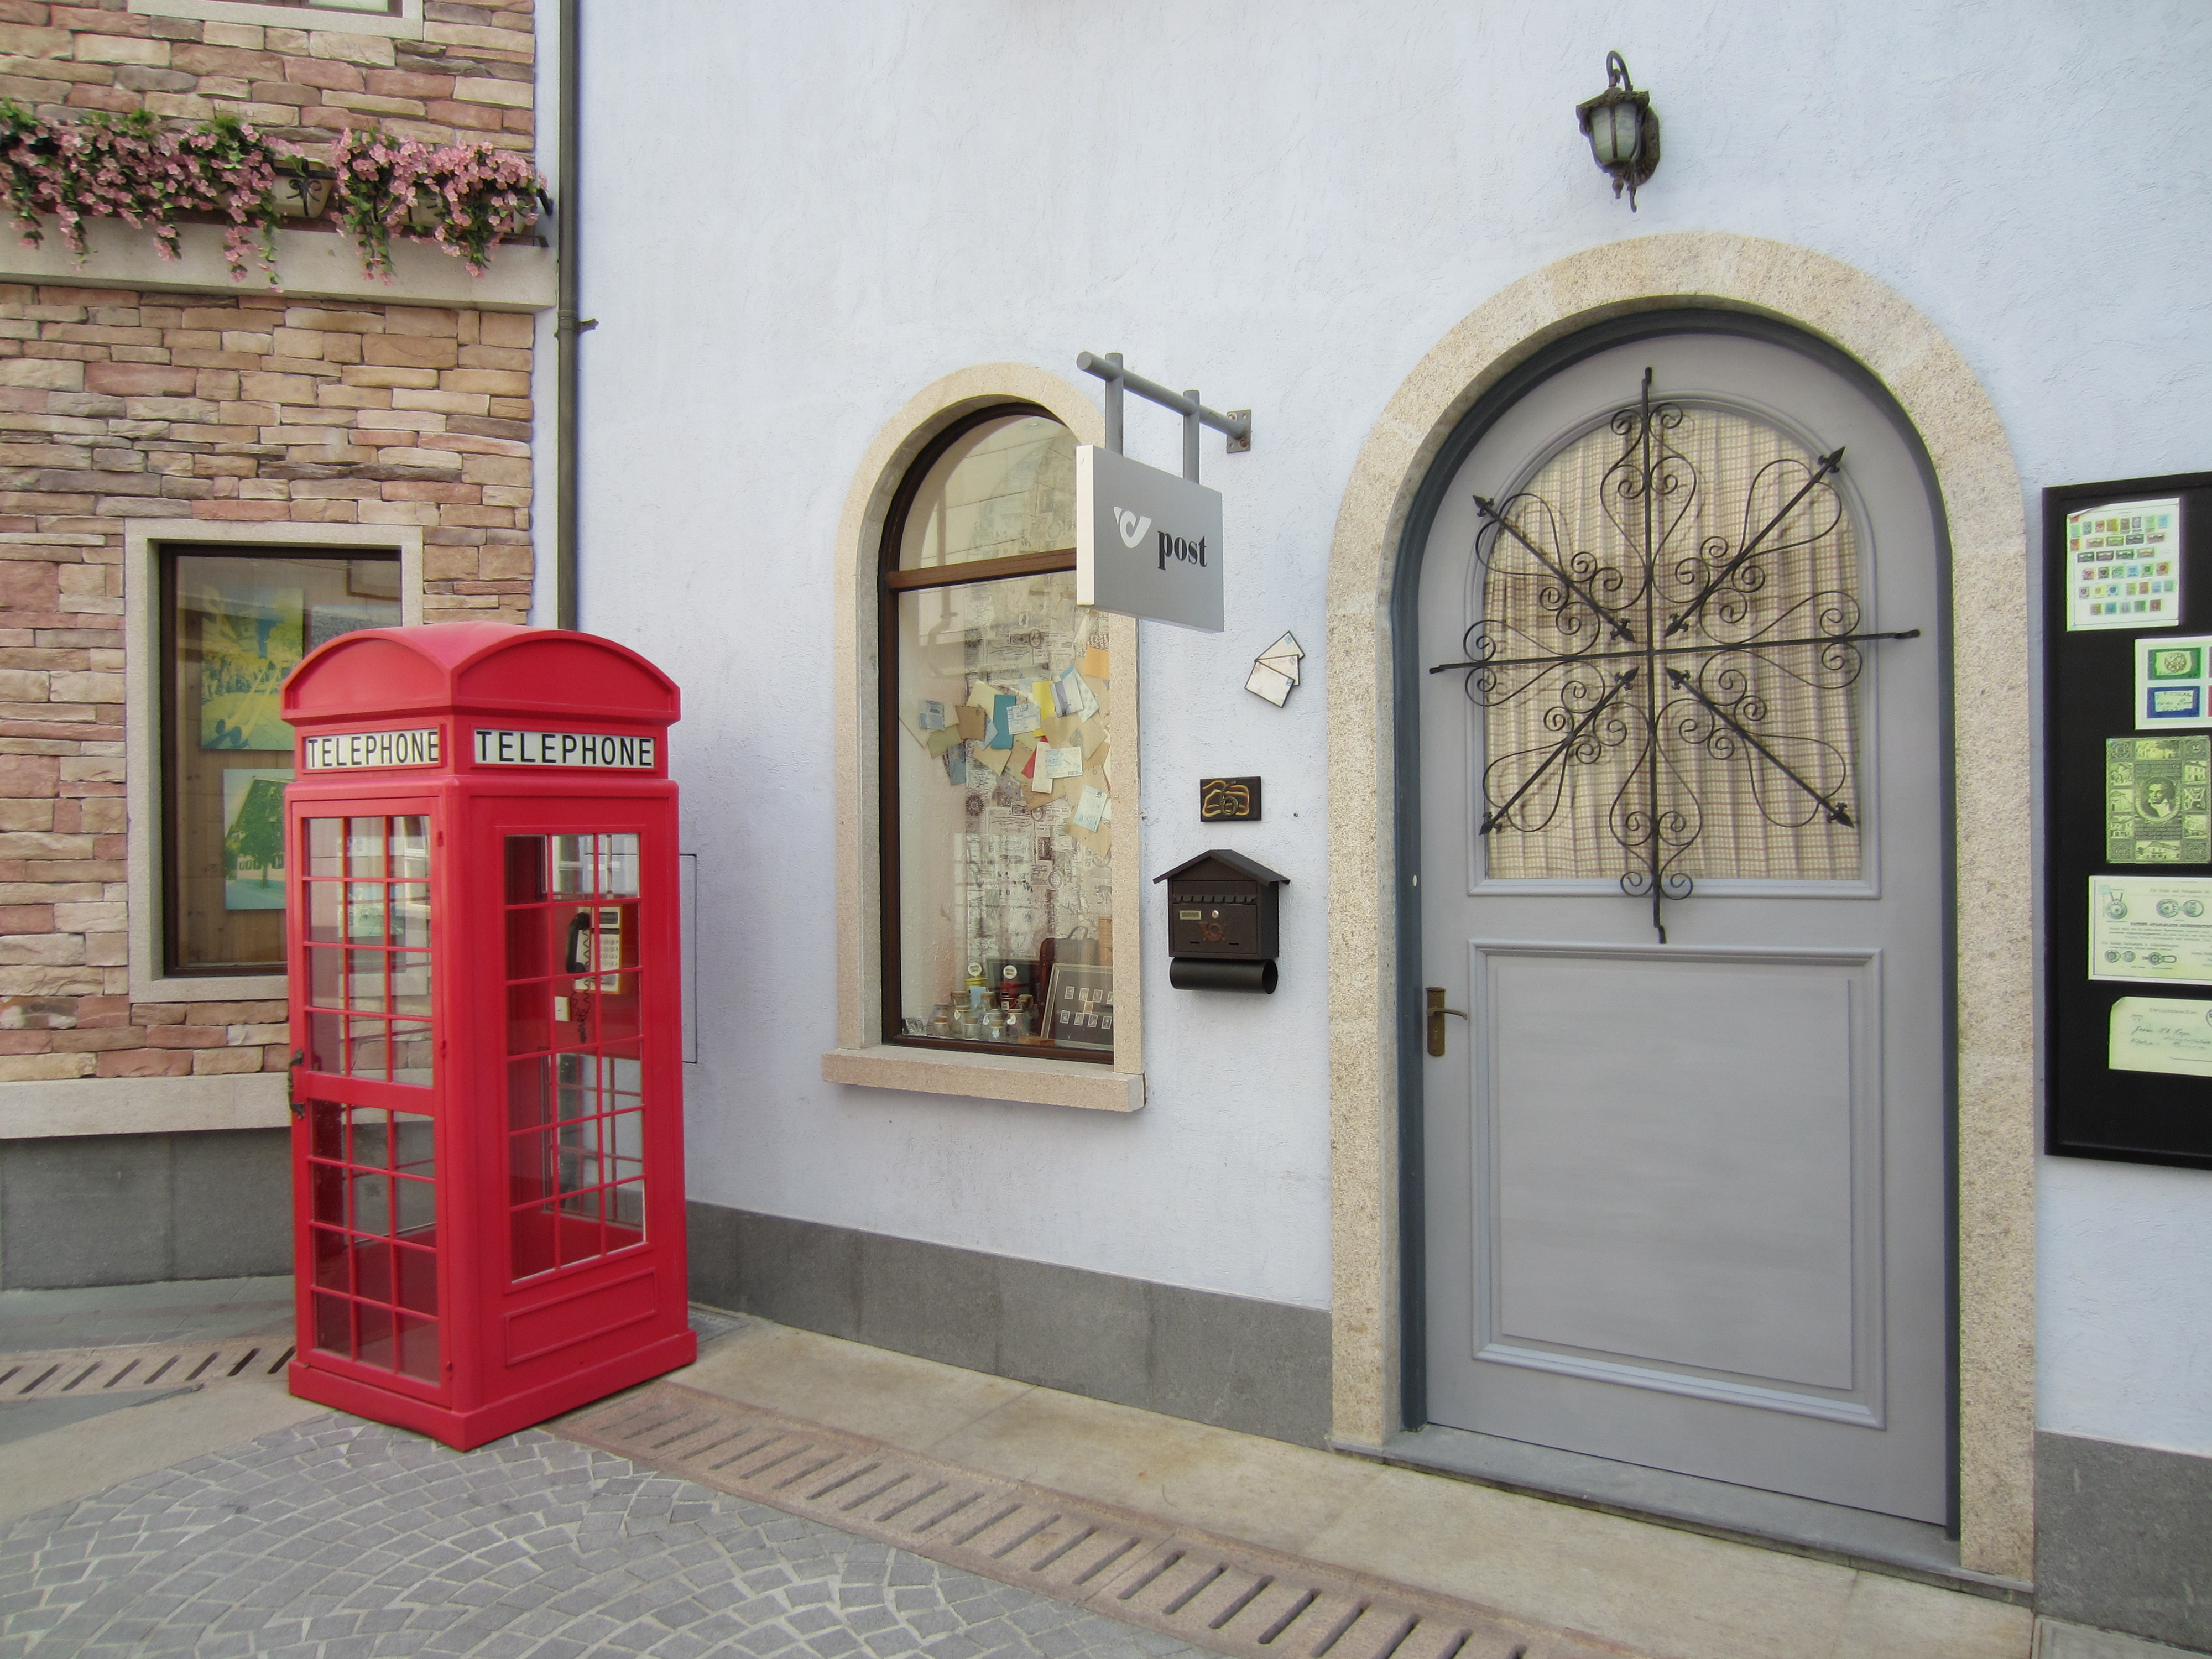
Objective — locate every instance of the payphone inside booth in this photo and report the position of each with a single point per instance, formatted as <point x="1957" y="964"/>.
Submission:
<point x="486" y="1084"/>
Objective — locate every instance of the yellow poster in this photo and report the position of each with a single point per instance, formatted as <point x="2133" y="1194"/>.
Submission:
<point x="2153" y="927"/>
<point x="250" y="640"/>
<point x="2161" y="1034"/>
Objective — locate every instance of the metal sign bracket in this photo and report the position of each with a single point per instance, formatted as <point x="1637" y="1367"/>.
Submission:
<point x="1235" y="426"/>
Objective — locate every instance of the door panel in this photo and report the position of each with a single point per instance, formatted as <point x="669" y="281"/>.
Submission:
<point x="1686" y="1199"/>
<point x="1715" y="1248"/>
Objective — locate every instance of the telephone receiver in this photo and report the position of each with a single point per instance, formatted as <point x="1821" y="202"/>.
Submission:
<point x="578" y="958"/>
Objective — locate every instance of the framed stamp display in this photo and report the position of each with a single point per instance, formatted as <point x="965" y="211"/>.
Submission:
<point x="1080" y="1012"/>
<point x="2127" y="820"/>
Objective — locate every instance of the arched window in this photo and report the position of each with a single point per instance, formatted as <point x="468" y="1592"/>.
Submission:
<point x="996" y="779"/>
<point x="1669" y="658"/>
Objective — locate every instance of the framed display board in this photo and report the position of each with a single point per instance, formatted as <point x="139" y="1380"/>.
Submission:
<point x="2128" y="819"/>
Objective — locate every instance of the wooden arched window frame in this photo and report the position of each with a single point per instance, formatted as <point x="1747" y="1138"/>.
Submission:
<point x="994" y="767"/>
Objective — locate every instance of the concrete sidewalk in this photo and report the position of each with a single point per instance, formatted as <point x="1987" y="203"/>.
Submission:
<point x="182" y="1310"/>
<point x="1652" y="1590"/>
<point x="234" y="1519"/>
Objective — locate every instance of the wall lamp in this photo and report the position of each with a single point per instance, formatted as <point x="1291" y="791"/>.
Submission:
<point x="1622" y="130"/>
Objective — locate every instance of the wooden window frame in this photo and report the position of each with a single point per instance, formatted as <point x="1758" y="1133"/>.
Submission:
<point x="390" y="9"/>
<point x="892" y="581"/>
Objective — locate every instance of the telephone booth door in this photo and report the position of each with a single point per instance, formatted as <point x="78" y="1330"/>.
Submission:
<point x="371" y="1123"/>
<point x="575" y="1071"/>
<point x="588" y="1142"/>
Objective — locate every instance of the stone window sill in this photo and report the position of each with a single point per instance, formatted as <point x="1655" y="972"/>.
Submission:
<point x="987" y="1076"/>
<point x="142" y="1105"/>
<point x="210" y="987"/>
<point x="320" y="20"/>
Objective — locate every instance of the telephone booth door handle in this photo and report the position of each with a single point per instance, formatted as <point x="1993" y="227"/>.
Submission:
<point x="1437" y="1012"/>
<point x="292" y="1082"/>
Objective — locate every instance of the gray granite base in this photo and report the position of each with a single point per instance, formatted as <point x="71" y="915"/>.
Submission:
<point x="1237" y="1362"/>
<point x="87" y="1210"/>
<point x="2123" y="1539"/>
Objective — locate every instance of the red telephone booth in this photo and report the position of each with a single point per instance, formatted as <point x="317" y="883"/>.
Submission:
<point x="486" y="1019"/>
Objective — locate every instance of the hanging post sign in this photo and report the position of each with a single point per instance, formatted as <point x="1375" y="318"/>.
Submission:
<point x="1147" y="544"/>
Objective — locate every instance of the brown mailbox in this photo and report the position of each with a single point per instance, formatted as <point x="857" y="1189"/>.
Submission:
<point x="1224" y="930"/>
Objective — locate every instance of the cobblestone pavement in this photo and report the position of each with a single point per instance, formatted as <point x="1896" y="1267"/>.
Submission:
<point x="337" y="1539"/>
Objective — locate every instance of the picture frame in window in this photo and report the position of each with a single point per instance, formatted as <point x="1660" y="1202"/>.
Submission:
<point x="1079" y="1010"/>
<point x="234" y="619"/>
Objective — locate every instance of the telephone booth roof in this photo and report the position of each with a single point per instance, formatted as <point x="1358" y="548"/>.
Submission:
<point x="478" y="668"/>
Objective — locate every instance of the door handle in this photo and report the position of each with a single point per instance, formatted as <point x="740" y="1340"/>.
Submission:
<point x="1437" y="1012"/>
<point x="292" y="1082"/>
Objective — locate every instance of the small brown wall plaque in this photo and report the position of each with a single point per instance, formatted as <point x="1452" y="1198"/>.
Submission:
<point x="1226" y="800"/>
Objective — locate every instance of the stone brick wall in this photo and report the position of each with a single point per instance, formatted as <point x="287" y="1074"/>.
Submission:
<point x="301" y="76"/>
<point x="241" y="407"/>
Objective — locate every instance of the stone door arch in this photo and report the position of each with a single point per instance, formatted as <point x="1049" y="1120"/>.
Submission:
<point x="1980" y="490"/>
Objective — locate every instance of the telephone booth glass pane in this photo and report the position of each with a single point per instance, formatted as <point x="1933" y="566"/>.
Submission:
<point x="372" y="1181"/>
<point x="368" y="904"/>
<point x="372" y="1172"/>
<point x="575" y="1100"/>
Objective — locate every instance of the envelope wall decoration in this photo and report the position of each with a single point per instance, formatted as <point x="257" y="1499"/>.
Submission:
<point x="1275" y="671"/>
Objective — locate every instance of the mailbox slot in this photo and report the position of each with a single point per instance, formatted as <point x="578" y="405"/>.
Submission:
<point x="1214" y="922"/>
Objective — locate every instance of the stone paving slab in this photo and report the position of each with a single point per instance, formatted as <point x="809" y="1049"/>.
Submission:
<point x="176" y="1310"/>
<point x="180" y="1311"/>
<point x="335" y="1538"/>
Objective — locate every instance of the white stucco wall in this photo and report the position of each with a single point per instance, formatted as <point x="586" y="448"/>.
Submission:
<point x="798" y="217"/>
<point x="2124" y="1304"/>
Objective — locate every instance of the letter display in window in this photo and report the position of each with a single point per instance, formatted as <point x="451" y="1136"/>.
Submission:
<point x="998" y="769"/>
<point x="1005" y="796"/>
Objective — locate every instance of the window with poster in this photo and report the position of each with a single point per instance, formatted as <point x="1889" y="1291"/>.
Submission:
<point x="997" y="770"/>
<point x="234" y="622"/>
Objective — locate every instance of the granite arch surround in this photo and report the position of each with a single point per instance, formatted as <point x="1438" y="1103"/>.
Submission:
<point x="860" y="1058"/>
<point x="1980" y="490"/>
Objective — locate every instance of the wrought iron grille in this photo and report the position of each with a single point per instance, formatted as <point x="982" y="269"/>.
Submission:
<point x="1651" y="684"/>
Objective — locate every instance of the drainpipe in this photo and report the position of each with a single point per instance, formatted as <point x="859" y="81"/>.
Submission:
<point x="569" y="328"/>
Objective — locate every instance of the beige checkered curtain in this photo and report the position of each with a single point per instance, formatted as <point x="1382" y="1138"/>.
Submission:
<point x="1575" y="766"/>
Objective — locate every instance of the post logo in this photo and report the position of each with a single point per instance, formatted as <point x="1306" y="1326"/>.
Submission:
<point x="1133" y="528"/>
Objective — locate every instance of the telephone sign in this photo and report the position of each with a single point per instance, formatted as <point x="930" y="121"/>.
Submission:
<point x="344" y="752"/>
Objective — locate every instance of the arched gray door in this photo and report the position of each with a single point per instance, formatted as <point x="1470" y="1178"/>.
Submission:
<point x="1682" y="865"/>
